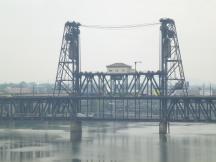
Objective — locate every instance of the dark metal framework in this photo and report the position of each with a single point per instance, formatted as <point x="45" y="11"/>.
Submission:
<point x="173" y="78"/>
<point x="67" y="77"/>
<point x="125" y="84"/>
<point x="143" y="108"/>
<point x="146" y="96"/>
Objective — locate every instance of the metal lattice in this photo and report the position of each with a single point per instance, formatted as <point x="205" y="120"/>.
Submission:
<point x="173" y="82"/>
<point x="67" y="77"/>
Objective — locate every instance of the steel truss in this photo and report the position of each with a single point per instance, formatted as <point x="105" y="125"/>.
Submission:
<point x="173" y="78"/>
<point x="192" y="108"/>
<point x="36" y="107"/>
<point x="67" y="80"/>
<point x="125" y="84"/>
<point x="104" y="96"/>
<point x="140" y="108"/>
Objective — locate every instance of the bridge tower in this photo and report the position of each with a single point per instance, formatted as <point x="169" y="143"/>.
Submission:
<point x="172" y="81"/>
<point x="67" y="77"/>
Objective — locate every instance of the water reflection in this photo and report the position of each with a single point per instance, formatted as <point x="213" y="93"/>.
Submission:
<point x="75" y="136"/>
<point x="105" y="142"/>
<point x="163" y="147"/>
<point x="17" y="148"/>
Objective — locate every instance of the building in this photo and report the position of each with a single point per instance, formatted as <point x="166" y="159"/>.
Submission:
<point x="119" y="68"/>
<point x="18" y="90"/>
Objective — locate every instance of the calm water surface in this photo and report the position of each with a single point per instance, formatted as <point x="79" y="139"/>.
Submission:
<point x="106" y="142"/>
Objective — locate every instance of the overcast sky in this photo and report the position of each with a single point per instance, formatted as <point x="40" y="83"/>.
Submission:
<point x="31" y="33"/>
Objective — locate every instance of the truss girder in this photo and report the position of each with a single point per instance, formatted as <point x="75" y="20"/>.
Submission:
<point x="133" y="84"/>
<point x="194" y="109"/>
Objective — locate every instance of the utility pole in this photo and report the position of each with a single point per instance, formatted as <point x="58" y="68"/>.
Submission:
<point x="21" y="86"/>
<point x="135" y="64"/>
<point x="203" y="90"/>
<point x="210" y="90"/>
<point x="33" y="89"/>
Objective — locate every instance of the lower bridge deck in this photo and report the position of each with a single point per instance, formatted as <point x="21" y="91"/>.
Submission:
<point x="26" y="118"/>
<point x="98" y="108"/>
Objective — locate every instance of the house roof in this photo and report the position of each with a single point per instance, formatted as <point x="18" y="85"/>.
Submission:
<point x="118" y="65"/>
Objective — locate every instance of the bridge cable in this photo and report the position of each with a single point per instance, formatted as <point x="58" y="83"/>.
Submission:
<point x="119" y="26"/>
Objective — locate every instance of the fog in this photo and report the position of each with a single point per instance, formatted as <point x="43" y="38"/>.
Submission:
<point x="31" y="33"/>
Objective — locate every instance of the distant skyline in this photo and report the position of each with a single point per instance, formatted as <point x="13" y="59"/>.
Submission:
<point x="31" y="33"/>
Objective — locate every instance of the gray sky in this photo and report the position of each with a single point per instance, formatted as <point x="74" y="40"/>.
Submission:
<point x="31" y="32"/>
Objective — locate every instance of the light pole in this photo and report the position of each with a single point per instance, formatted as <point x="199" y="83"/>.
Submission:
<point x="135" y="63"/>
<point x="135" y="92"/>
<point x="210" y="89"/>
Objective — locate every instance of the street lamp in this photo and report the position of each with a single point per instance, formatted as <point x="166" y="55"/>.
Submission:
<point x="135" y="63"/>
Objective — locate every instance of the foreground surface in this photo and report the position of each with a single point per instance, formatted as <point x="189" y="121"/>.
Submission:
<point x="106" y="142"/>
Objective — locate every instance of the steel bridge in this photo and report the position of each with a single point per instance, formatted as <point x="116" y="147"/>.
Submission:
<point x="139" y="108"/>
<point x="139" y="96"/>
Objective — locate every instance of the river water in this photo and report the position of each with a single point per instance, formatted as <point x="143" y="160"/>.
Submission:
<point x="42" y="141"/>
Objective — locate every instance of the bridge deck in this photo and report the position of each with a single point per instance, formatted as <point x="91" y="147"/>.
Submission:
<point x="111" y="108"/>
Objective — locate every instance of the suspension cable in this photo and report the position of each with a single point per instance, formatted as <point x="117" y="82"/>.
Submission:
<point x="118" y="26"/>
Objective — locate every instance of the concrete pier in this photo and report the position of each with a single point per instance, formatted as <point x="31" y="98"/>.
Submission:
<point x="75" y="130"/>
<point x="163" y="125"/>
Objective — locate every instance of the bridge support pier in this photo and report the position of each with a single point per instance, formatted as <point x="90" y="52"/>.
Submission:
<point x="163" y="127"/>
<point x="75" y="130"/>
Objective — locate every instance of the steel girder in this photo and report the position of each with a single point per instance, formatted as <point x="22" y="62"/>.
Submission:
<point x="67" y="80"/>
<point x="124" y="84"/>
<point x="173" y="78"/>
<point x="142" y="108"/>
<point x="38" y="107"/>
<point x="192" y="109"/>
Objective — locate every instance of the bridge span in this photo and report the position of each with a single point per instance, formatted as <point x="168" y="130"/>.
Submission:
<point x="133" y="108"/>
<point x="136" y="96"/>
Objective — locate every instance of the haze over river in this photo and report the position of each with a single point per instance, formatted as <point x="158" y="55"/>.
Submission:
<point x="41" y="141"/>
